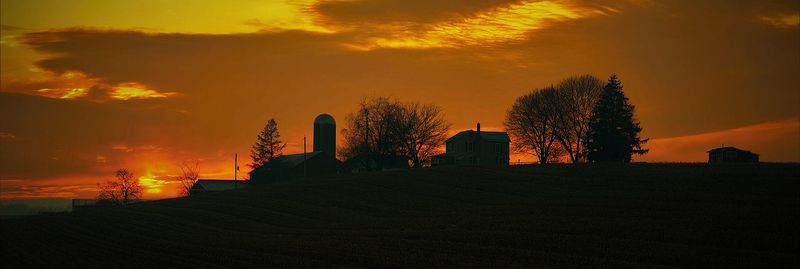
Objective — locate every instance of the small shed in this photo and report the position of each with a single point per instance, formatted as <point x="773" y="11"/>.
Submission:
<point x="731" y="155"/>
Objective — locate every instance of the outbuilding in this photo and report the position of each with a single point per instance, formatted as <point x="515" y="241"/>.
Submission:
<point x="295" y="166"/>
<point x="731" y="155"/>
<point x="215" y="185"/>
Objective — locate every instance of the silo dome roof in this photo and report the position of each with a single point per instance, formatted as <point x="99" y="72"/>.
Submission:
<point x="324" y="119"/>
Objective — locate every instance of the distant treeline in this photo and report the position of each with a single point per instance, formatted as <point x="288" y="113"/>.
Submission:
<point x="580" y="119"/>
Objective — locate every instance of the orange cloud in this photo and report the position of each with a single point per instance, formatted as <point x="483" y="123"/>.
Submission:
<point x="77" y="85"/>
<point x="776" y="140"/>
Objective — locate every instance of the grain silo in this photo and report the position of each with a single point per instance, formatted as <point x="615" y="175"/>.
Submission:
<point x="325" y="134"/>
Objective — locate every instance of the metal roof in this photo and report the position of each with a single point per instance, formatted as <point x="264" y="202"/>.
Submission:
<point x="287" y="161"/>
<point x="488" y="136"/>
<point x="293" y="159"/>
<point x="722" y="149"/>
<point x="219" y="184"/>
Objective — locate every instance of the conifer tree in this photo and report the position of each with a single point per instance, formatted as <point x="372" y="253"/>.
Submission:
<point x="268" y="145"/>
<point x="613" y="131"/>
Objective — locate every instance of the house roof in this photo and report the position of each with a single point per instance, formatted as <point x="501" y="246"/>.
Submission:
<point x="724" y="149"/>
<point x="294" y="159"/>
<point x="485" y="135"/>
<point x="219" y="184"/>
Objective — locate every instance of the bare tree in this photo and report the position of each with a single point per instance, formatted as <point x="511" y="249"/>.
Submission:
<point x="384" y="128"/>
<point x="576" y="97"/>
<point x="422" y="131"/>
<point x="122" y="191"/>
<point x="370" y="132"/>
<point x="531" y="123"/>
<point x="189" y="173"/>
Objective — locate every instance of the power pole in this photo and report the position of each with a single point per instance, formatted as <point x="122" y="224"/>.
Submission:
<point x="235" y="168"/>
<point x="304" y="156"/>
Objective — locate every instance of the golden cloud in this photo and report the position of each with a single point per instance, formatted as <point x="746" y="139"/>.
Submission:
<point x="782" y="21"/>
<point x="132" y="90"/>
<point x="498" y="25"/>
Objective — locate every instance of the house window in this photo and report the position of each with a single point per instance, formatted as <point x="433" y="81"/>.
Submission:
<point x="469" y="146"/>
<point x="498" y="147"/>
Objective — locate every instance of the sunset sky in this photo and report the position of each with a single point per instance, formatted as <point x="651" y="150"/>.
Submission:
<point x="92" y="86"/>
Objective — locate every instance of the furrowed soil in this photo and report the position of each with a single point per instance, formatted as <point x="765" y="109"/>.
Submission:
<point x="553" y="216"/>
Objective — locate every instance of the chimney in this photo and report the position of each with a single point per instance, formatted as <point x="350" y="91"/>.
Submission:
<point x="477" y="145"/>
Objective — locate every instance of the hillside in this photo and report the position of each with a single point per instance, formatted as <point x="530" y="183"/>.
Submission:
<point x="613" y="216"/>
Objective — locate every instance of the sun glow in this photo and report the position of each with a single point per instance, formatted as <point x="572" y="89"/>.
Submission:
<point x="151" y="184"/>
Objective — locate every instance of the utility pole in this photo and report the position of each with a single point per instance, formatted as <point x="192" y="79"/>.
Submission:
<point x="304" y="156"/>
<point x="235" y="168"/>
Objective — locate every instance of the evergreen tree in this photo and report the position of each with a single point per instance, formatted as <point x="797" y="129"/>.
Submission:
<point x="613" y="131"/>
<point x="268" y="145"/>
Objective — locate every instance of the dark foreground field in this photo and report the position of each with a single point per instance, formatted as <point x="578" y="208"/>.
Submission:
<point x="618" y="216"/>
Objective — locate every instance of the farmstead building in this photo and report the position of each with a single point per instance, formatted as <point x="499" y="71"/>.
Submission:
<point x="731" y="155"/>
<point x="322" y="160"/>
<point x="475" y="148"/>
<point x="214" y="185"/>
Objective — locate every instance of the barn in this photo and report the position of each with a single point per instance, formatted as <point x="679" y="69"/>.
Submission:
<point x="295" y="166"/>
<point x="319" y="162"/>
<point x="215" y="185"/>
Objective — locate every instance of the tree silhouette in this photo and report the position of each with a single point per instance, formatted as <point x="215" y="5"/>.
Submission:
<point x="576" y="97"/>
<point x="371" y="132"/>
<point x="422" y="130"/>
<point x="531" y="121"/>
<point x="189" y="173"/>
<point x="268" y="145"/>
<point x="385" y="129"/>
<point x="122" y="191"/>
<point x="613" y="131"/>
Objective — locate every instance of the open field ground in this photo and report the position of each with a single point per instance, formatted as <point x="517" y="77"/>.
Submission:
<point x="612" y="216"/>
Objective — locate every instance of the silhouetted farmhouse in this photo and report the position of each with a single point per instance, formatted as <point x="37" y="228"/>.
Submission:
<point x="475" y="147"/>
<point x="214" y="185"/>
<point x="731" y="155"/>
<point x="319" y="162"/>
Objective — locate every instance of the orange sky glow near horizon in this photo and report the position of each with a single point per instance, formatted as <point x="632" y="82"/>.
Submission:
<point x="89" y="86"/>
